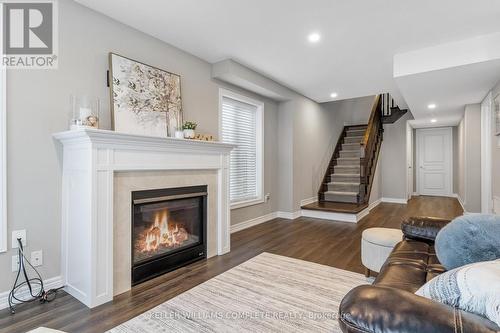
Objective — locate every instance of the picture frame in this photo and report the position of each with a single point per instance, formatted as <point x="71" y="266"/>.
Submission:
<point x="144" y="100"/>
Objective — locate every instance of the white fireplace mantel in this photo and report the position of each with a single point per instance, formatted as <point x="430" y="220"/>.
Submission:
<point x="90" y="159"/>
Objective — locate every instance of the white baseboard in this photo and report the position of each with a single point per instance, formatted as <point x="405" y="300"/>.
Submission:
<point x="332" y="216"/>
<point x="395" y="200"/>
<point x="308" y="201"/>
<point x="416" y="194"/>
<point x="250" y="223"/>
<point x="51" y="283"/>
<point x="289" y="215"/>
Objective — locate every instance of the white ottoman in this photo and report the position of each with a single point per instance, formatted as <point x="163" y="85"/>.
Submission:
<point x="376" y="245"/>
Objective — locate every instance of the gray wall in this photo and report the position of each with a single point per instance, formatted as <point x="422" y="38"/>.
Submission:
<point x="316" y="131"/>
<point x="460" y="190"/>
<point x="393" y="159"/>
<point x="38" y="105"/>
<point x="469" y="159"/>
<point x="456" y="178"/>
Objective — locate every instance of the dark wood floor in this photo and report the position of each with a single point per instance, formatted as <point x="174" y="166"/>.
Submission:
<point x="325" y="242"/>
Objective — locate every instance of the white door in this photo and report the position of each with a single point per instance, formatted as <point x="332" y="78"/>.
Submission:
<point x="434" y="161"/>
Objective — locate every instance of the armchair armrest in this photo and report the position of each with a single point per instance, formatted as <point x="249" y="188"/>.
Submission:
<point x="373" y="309"/>
<point x="423" y="228"/>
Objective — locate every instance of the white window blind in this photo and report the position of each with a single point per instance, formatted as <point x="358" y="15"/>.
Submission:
<point x="240" y="127"/>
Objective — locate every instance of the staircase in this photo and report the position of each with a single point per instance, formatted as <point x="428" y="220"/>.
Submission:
<point x="345" y="176"/>
<point x="349" y="176"/>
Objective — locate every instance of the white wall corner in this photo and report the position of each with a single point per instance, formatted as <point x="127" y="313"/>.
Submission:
<point x="253" y="222"/>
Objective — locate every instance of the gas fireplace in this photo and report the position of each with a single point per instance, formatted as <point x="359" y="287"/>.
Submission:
<point x="168" y="230"/>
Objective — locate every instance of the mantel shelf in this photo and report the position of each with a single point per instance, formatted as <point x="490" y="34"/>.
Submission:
<point x="107" y="137"/>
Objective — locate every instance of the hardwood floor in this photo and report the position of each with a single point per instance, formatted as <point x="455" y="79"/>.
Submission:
<point x="330" y="243"/>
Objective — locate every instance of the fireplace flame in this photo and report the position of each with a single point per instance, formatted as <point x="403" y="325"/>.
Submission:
<point x="164" y="234"/>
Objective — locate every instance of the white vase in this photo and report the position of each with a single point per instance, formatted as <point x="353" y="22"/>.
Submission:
<point x="179" y="134"/>
<point x="189" y="134"/>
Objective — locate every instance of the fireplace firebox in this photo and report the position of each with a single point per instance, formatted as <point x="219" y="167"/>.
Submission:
<point x="168" y="230"/>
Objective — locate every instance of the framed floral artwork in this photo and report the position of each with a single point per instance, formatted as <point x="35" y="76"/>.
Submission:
<point x="144" y="100"/>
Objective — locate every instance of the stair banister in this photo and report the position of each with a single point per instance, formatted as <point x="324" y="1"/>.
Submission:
<point x="369" y="146"/>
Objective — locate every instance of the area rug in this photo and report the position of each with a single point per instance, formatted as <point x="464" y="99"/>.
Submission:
<point x="268" y="293"/>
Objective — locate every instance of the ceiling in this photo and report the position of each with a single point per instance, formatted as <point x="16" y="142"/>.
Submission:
<point x="354" y="57"/>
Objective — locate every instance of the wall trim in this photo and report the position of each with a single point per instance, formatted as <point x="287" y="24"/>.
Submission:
<point x="332" y="216"/>
<point x="308" y="201"/>
<point x="395" y="200"/>
<point x="51" y="283"/>
<point x="253" y="222"/>
<point x="289" y="215"/>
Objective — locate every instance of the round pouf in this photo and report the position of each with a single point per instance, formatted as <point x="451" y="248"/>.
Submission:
<point x="376" y="245"/>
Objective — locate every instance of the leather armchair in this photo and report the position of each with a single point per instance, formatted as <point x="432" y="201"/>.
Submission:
<point x="383" y="309"/>
<point x="423" y="228"/>
<point x="390" y="305"/>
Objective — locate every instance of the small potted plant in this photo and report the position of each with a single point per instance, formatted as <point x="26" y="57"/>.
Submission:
<point x="188" y="129"/>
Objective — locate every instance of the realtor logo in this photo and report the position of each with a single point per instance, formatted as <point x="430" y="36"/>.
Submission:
<point x="29" y="34"/>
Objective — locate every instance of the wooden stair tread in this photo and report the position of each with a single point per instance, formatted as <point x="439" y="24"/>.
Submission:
<point x="341" y="193"/>
<point x="335" y="207"/>
<point x="342" y="183"/>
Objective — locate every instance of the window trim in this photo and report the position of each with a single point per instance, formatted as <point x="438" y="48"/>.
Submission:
<point x="259" y="143"/>
<point x="3" y="147"/>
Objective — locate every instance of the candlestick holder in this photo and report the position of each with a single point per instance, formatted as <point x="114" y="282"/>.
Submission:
<point x="84" y="112"/>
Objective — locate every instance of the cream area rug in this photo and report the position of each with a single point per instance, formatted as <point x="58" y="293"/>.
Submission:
<point x="268" y="293"/>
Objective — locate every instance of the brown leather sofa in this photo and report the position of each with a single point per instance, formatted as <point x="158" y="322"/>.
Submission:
<point x="390" y="305"/>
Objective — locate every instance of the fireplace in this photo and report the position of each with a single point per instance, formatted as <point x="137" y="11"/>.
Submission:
<point x="168" y="230"/>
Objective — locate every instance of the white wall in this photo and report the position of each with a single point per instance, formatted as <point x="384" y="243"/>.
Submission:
<point x="393" y="159"/>
<point x="469" y="159"/>
<point x="495" y="146"/>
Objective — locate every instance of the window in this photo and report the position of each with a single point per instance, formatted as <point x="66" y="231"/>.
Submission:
<point x="242" y="125"/>
<point x="3" y="174"/>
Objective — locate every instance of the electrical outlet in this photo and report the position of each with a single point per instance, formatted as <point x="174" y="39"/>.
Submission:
<point x="36" y="258"/>
<point x="15" y="263"/>
<point x="18" y="234"/>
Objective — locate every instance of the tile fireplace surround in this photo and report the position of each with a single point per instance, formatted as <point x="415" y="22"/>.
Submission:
<point x="90" y="160"/>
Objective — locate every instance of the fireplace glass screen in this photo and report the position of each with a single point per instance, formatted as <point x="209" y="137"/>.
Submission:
<point x="164" y="227"/>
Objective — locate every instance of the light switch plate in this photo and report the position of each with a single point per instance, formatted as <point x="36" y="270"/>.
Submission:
<point x="18" y="234"/>
<point x="36" y="258"/>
